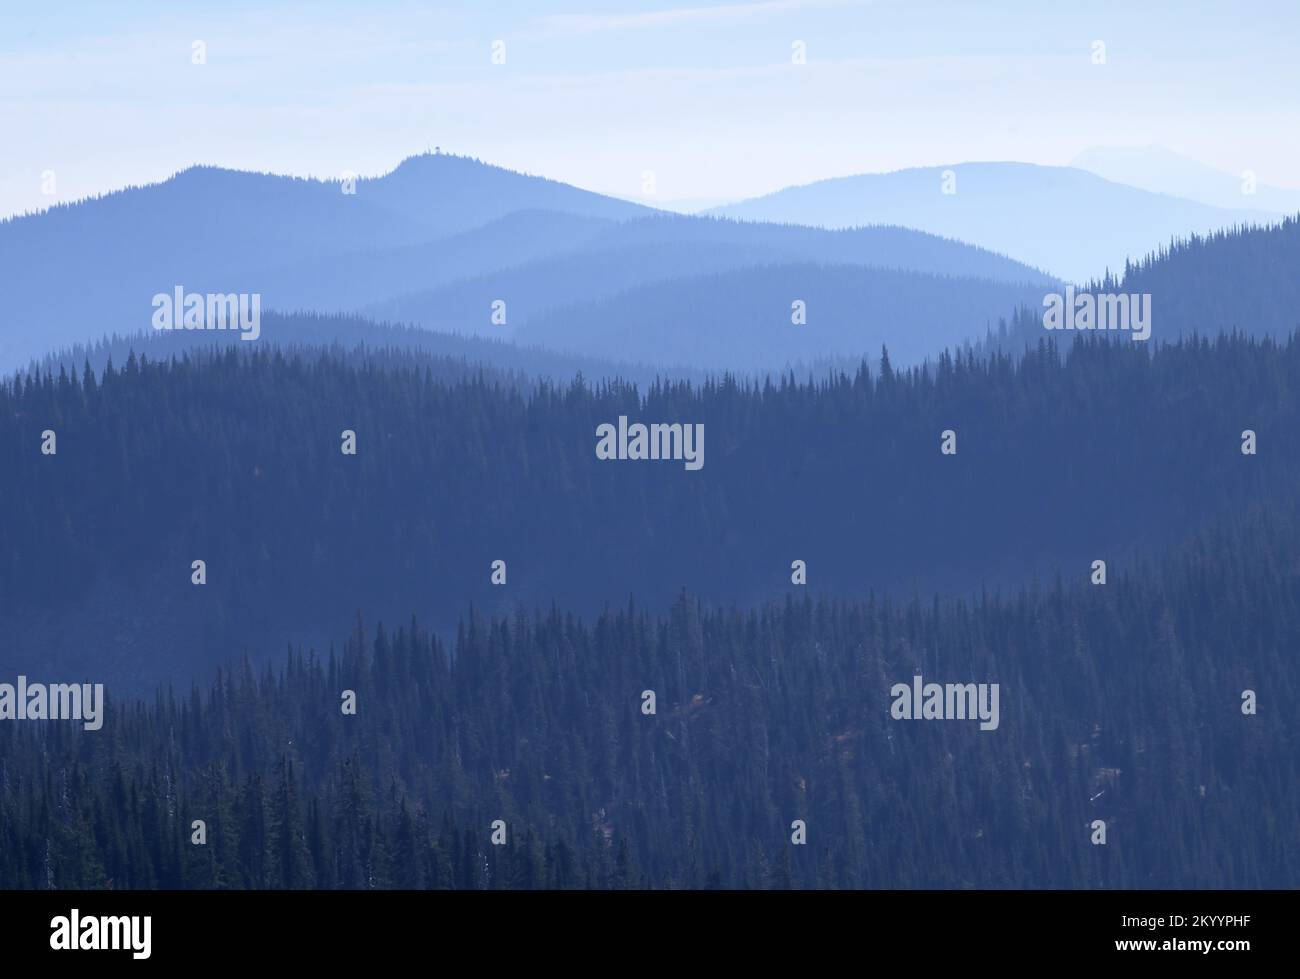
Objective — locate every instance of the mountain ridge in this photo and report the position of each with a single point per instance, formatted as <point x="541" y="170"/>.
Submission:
<point x="1003" y="206"/>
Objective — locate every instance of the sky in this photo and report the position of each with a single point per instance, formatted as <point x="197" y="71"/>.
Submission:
<point x="703" y="95"/>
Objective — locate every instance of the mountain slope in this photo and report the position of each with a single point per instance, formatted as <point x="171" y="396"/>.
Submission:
<point x="452" y="356"/>
<point x="1163" y="171"/>
<point x="538" y="261"/>
<point x="74" y="272"/>
<point x="432" y="243"/>
<point x="1114" y="450"/>
<point x="633" y="290"/>
<point x="1241" y="281"/>
<point x="455" y="193"/>
<point x="1071" y="223"/>
<point x="740" y="319"/>
<point x="1115" y="703"/>
<point x="369" y="279"/>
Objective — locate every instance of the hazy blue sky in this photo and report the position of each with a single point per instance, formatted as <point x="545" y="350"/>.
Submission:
<point x="700" y="92"/>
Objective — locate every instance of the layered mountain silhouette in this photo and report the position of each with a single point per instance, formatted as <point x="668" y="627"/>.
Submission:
<point x="1101" y="449"/>
<point x="464" y="458"/>
<point x="1163" y="171"/>
<point x="1071" y="223"/>
<point x="444" y="242"/>
<point x="718" y="294"/>
<point x="79" y="271"/>
<point x="740" y="318"/>
<point x="440" y="239"/>
<point x="387" y="449"/>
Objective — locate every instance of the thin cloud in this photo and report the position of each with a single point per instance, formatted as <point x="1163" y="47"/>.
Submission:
<point x="564" y="24"/>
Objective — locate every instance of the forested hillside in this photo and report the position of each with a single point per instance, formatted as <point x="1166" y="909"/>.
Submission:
<point x="1244" y="279"/>
<point x="1120" y="703"/>
<point x="1103" y="453"/>
<point x="717" y="492"/>
<point x="448" y="356"/>
<point x="1241" y="280"/>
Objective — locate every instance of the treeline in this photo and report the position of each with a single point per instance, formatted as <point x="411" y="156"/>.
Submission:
<point x="1242" y="279"/>
<point x="1236" y="281"/>
<point x="447" y="357"/>
<point x="1105" y="451"/>
<point x="1120" y="703"/>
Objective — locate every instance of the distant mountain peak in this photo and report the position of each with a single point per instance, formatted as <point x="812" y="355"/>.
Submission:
<point x="1069" y="221"/>
<point x="1161" y="170"/>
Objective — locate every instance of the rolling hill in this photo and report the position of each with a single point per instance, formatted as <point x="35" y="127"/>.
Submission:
<point x="77" y="272"/>
<point x="433" y="243"/>
<point x="1163" y="171"/>
<point x="1071" y="223"/>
